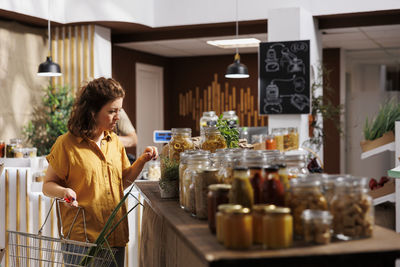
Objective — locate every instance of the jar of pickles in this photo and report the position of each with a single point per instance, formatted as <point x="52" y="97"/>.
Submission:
<point x="317" y="226"/>
<point x="212" y="139"/>
<point x="219" y="217"/>
<point x="231" y="118"/>
<point x="277" y="228"/>
<point x="203" y="178"/>
<point x="258" y="213"/>
<point x="180" y="141"/>
<point x="14" y="143"/>
<point x="242" y="192"/>
<point x="209" y="118"/>
<point x="272" y="191"/>
<point x="305" y="194"/>
<point x="352" y="209"/>
<point x="237" y="228"/>
<point x="217" y="194"/>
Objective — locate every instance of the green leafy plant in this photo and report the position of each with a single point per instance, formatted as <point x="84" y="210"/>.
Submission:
<point x="50" y="119"/>
<point x="169" y="172"/>
<point x="231" y="135"/>
<point x="384" y="121"/>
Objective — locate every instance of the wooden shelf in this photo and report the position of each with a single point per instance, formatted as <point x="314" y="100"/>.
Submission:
<point x="378" y="150"/>
<point x="386" y="198"/>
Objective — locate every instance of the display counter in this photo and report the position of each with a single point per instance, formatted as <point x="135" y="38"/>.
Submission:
<point x="171" y="237"/>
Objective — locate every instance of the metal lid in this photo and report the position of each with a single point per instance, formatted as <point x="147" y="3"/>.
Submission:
<point x="238" y="211"/>
<point x="278" y="210"/>
<point x="322" y="215"/>
<point x="263" y="208"/>
<point x="181" y="130"/>
<point x="224" y="207"/>
<point x="219" y="187"/>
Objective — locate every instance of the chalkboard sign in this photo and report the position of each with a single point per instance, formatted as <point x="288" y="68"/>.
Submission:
<point x="284" y="72"/>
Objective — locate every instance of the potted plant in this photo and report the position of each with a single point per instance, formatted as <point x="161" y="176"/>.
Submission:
<point x="380" y="130"/>
<point x="169" y="181"/>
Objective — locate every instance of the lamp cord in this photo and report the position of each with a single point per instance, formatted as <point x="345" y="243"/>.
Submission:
<point x="48" y="26"/>
<point x="237" y="25"/>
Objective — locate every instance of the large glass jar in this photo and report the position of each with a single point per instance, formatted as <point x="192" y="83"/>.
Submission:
<point x="14" y="143"/>
<point x="277" y="228"/>
<point x="242" y="192"/>
<point x="352" y="209"/>
<point x="219" y="219"/>
<point x="195" y="162"/>
<point x="217" y="194"/>
<point x="238" y="228"/>
<point x="272" y="190"/>
<point x="203" y="178"/>
<point x="256" y="176"/>
<point x="180" y="141"/>
<point x="231" y="118"/>
<point x="317" y="226"/>
<point x="209" y="118"/>
<point x="294" y="138"/>
<point x="278" y="135"/>
<point x="295" y="163"/>
<point x="212" y="139"/>
<point x="258" y="213"/>
<point x="305" y="194"/>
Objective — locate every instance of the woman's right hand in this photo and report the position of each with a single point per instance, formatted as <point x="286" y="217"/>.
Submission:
<point x="70" y="197"/>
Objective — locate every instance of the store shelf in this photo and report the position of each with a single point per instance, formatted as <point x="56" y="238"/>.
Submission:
<point x="378" y="150"/>
<point x="394" y="173"/>
<point x="386" y="198"/>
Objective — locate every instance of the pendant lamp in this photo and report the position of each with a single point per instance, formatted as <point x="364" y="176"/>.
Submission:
<point x="49" y="68"/>
<point x="237" y="69"/>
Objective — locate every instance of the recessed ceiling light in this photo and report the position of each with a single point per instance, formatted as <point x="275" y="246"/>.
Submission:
<point x="235" y="43"/>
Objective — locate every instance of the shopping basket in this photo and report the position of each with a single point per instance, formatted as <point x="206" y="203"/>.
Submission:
<point x="27" y="249"/>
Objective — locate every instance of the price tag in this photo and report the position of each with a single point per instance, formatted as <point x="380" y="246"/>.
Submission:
<point x="161" y="136"/>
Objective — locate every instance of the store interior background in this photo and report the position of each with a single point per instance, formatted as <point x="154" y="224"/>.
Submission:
<point x="362" y="49"/>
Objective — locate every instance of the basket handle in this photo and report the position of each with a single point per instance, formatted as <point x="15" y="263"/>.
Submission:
<point x="58" y="200"/>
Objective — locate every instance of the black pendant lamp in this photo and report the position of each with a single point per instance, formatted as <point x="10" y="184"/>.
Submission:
<point x="49" y="68"/>
<point x="237" y="69"/>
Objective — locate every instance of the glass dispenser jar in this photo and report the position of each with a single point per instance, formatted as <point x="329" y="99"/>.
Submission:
<point x="231" y="118"/>
<point x="212" y="139"/>
<point x="352" y="209"/>
<point x="208" y="119"/>
<point x="180" y="141"/>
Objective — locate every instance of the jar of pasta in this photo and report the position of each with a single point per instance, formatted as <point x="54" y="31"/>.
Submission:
<point x="209" y="118"/>
<point x="238" y="228"/>
<point x="277" y="228"/>
<point x="217" y="194"/>
<point x="352" y="209"/>
<point x="180" y="141"/>
<point x="212" y="139"/>
<point x="219" y="219"/>
<point x="259" y="212"/>
<point x="294" y="138"/>
<point x="242" y="192"/>
<point x="278" y="136"/>
<point x="305" y="194"/>
<point x="317" y="226"/>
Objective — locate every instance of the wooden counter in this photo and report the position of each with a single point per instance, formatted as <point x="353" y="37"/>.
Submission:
<point x="177" y="239"/>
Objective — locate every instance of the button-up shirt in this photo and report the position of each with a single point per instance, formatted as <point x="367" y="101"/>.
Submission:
<point x="95" y="174"/>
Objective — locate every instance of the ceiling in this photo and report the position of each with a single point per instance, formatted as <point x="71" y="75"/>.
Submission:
<point x="353" y="38"/>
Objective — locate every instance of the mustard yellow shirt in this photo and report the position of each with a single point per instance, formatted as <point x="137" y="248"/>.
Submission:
<point x="96" y="176"/>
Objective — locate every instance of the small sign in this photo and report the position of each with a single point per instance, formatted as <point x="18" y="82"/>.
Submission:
<point x="161" y="136"/>
<point x="284" y="72"/>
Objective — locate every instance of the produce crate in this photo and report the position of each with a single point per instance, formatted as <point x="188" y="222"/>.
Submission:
<point x="386" y="189"/>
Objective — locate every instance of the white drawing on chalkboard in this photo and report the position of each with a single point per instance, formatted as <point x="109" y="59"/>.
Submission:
<point x="294" y="64"/>
<point x="272" y="100"/>
<point x="298" y="101"/>
<point x="299" y="84"/>
<point x="271" y="61"/>
<point x="296" y="47"/>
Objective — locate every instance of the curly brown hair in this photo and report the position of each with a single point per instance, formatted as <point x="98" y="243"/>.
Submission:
<point x="90" y="99"/>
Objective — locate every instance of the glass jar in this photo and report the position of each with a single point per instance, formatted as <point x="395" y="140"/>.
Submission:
<point x="352" y="209"/>
<point x="317" y="226"/>
<point x="154" y="170"/>
<point x="180" y="141"/>
<point x="295" y="164"/>
<point x="219" y="219"/>
<point x="305" y="194"/>
<point x="14" y="143"/>
<point x="238" y="228"/>
<point x="277" y="228"/>
<point x="209" y="118"/>
<point x="258" y="213"/>
<point x="256" y="176"/>
<point x="270" y="142"/>
<point x="242" y="192"/>
<point x="272" y="191"/>
<point x="18" y="152"/>
<point x="203" y="178"/>
<point x="212" y="139"/>
<point x="195" y="163"/>
<point x="286" y="139"/>
<point x="2" y="148"/>
<point x="217" y="194"/>
<point x="278" y="136"/>
<point x="231" y="118"/>
<point x="294" y="138"/>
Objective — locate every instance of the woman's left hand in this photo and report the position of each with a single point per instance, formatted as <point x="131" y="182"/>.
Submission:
<point x="150" y="153"/>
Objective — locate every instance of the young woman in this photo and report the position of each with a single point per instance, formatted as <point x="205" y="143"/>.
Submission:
<point x="89" y="166"/>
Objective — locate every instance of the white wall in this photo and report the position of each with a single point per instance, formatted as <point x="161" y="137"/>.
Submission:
<point x="102" y="52"/>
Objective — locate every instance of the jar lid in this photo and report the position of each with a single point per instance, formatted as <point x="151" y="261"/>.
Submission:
<point x="209" y="113"/>
<point x="229" y="112"/>
<point x="278" y="210"/>
<point x="210" y="129"/>
<point x="308" y="215"/>
<point x="238" y="211"/>
<point x="181" y="130"/>
<point x="224" y="207"/>
<point x="271" y="168"/>
<point x="219" y="187"/>
<point x="241" y="168"/>
<point x="304" y="182"/>
<point x="263" y="207"/>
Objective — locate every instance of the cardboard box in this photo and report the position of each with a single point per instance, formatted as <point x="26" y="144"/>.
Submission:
<point x="385" y="139"/>
<point x="386" y="189"/>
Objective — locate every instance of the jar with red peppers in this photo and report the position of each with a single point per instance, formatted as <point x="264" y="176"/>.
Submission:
<point x="272" y="190"/>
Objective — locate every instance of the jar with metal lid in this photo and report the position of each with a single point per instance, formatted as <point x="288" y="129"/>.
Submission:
<point x="209" y="118"/>
<point x="195" y="162"/>
<point x="256" y="176"/>
<point x="14" y="143"/>
<point x="180" y="141"/>
<point x="242" y="192"/>
<point x="212" y="139"/>
<point x="272" y="191"/>
<point x="18" y="152"/>
<point x="317" y="226"/>
<point x="295" y="163"/>
<point x="2" y="148"/>
<point x="352" y="209"/>
<point x="238" y="228"/>
<point x="278" y="136"/>
<point x="277" y="228"/>
<point x="258" y="213"/>
<point x="305" y="194"/>
<point x="217" y="194"/>
<point x="219" y="219"/>
<point x="270" y="142"/>
<point x="231" y="118"/>
<point x="202" y="179"/>
<point x="294" y="138"/>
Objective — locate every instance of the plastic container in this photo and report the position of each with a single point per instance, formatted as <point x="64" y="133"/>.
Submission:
<point x="317" y="226"/>
<point x="277" y="228"/>
<point x="180" y="141"/>
<point x="209" y="118"/>
<point x="212" y="139"/>
<point x="238" y="228"/>
<point x="217" y="194"/>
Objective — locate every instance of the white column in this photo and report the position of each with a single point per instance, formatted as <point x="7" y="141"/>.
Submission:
<point x="290" y="24"/>
<point x="102" y="52"/>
